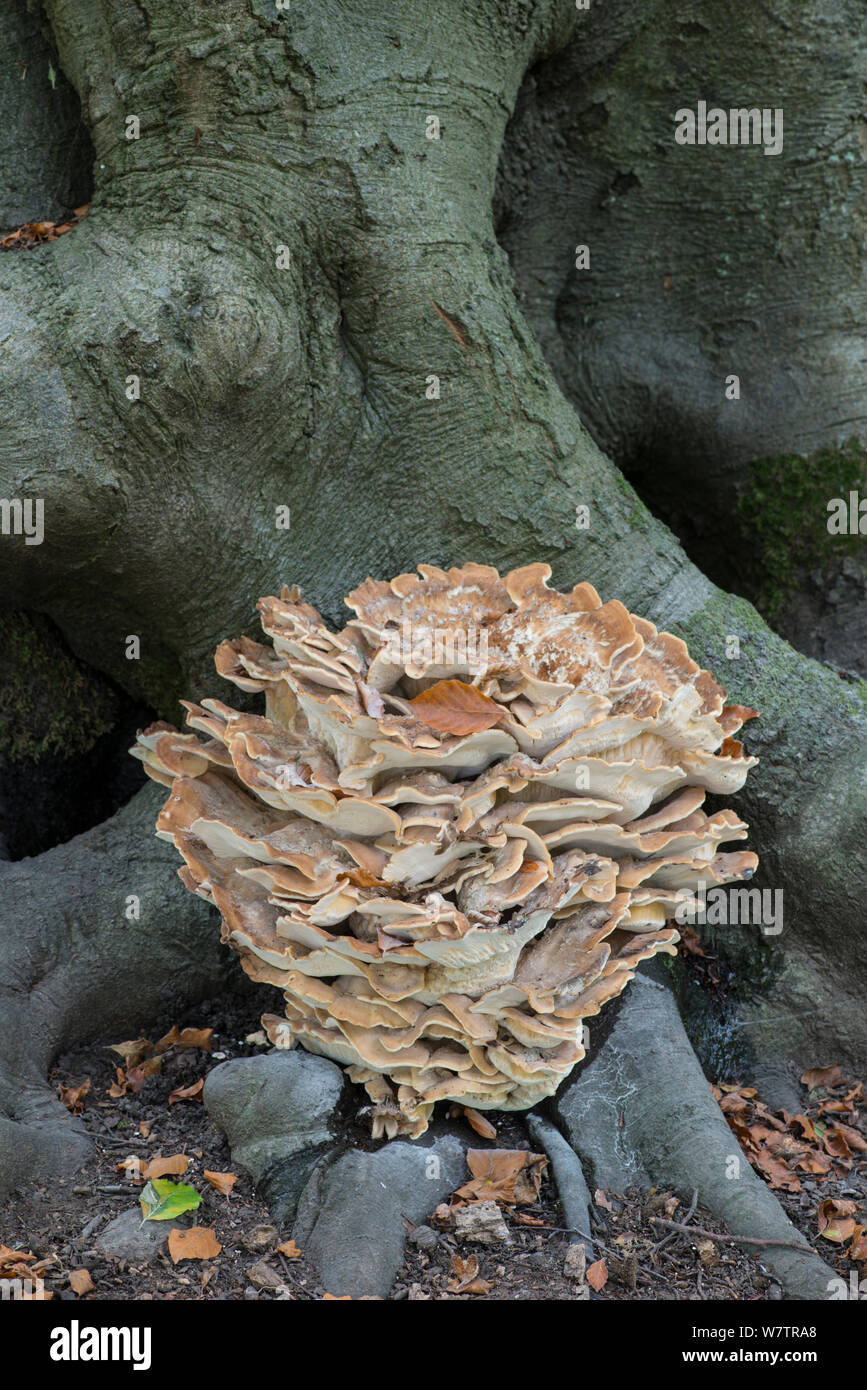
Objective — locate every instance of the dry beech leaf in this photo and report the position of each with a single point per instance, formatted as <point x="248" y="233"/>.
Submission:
<point x="80" y="1282"/>
<point x="806" y="1126"/>
<point x="850" y="1136"/>
<point x="822" y="1076"/>
<point x="479" y="1123"/>
<point x="159" y="1167"/>
<point x="119" y="1087"/>
<point x="198" y="1243"/>
<point x="597" y="1275"/>
<point x="132" y="1052"/>
<point x="73" y="1096"/>
<point x="831" y="1208"/>
<point x="223" y="1182"/>
<point x="466" y="1272"/>
<point x="503" y="1175"/>
<point x="193" y="1092"/>
<point x="601" y="1200"/>
<point x="839" y="1231"/>
<point x="185" y="1037"/>
<point x="289" y="1249"/>
<point x="858" y="1249"/>
<point x="835" y="1220"/>
<point x="138" y="1075"/>
<point x="454" y="707"/>
<point x="9" y="1258"/>
<point x="777" y="1174"/>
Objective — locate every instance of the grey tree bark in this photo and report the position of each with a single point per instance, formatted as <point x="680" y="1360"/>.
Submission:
<point x="280" y="263"/>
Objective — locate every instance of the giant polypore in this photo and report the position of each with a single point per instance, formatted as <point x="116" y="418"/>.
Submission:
<point x="458" y="826"/>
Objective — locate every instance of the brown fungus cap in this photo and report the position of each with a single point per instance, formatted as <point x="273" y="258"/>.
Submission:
<point x="459" y="826"/>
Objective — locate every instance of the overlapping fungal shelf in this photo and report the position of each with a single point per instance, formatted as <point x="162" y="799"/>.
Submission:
<point x="447" y="865"/>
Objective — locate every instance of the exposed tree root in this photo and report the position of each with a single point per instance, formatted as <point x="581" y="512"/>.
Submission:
<point x="74" y="966"/>
<point x="642" y="1112"/>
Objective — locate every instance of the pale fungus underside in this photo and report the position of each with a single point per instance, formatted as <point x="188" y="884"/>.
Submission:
<point x="460" y="825"/>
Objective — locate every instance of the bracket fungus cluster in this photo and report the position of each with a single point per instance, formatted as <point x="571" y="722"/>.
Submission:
<point x="458" y="827"/>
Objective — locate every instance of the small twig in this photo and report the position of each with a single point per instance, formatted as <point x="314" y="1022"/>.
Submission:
<point x="686" y="1220"/>
<point x="737" y="1240"/>
<point x="594" y="1240"/>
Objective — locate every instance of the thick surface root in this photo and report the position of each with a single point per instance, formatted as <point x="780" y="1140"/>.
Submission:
<point x="642" y="1112"/>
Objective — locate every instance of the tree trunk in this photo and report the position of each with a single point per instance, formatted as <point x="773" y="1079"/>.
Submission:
<point x="286" y="294"/>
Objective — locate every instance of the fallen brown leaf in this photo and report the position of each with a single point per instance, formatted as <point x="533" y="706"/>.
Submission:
<point x="223" y="1182"/>
<point x="597" y="1275"/>
<point x="159" y="1167"/>
<point x="198" y="1243"/>
<point x="289" y="1249"/>
<point x="831" y="1208"/>
<point x="193" y="1092"/>
<point x="80" y="1282"/>
<point x="479" y="1123"/>
<point x="132" y="1052"/>
<point x="828" y="1077"/>
<point x="834" y="1219"/>
<point x="806" y="1125"/>
<point x="10" y="1258"/>
<point x="858" y="1249"/>
<point x="852" y="1137"/>
<point x="119" y="1087"/>
<point x="504" y="1175"/>
<point x="467" y="1278"/>
<point x="454" y="707"/>
<point x="73" y="1096"/>
<point x="839" y="1231"/>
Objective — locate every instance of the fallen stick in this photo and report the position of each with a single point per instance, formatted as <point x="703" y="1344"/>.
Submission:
<point x="740" y="1240"/>
<point x="660" y="1245"/>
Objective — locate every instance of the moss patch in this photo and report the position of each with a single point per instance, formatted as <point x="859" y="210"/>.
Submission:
<point x="783" y="519"/>
<point x="49" y="701"/>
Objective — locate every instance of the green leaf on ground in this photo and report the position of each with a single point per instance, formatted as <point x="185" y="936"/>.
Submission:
<point x="163" y="1200"/>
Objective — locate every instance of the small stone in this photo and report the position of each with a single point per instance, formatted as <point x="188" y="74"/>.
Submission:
<point x="424" y="1237"/>
<point x="126" y="1237"/>
<point x="775" y="1292"/>
<point x="575" y="1262"/>
<point x="708" y="1253"/>
<point x="91" y="1226"/>
<point x="483" y="1223"/>
<point x="264" y="1276"/>
<point x="261" y="1238"/>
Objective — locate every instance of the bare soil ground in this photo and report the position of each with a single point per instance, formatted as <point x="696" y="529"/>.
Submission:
<point x="58" y="1222"/>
